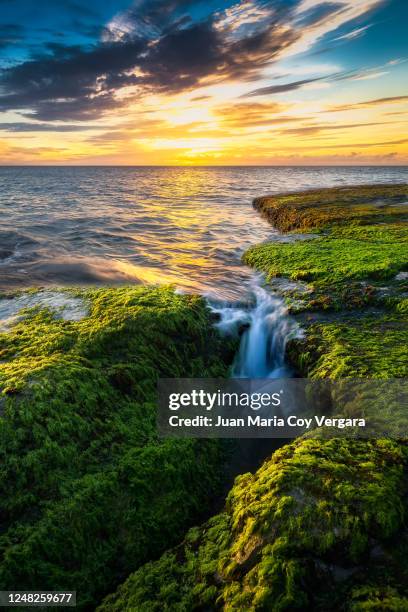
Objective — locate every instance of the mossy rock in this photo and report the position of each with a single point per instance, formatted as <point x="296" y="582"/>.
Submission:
<point x="308" y="531"/>
<point x="349" y="268"/>
<point x="345" y="269"/>
<point x="318" y="208"/>
<point x="88" y="490"/>
<point x="360" y="347"/>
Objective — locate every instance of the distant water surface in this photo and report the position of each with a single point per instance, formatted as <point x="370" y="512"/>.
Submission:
<point x="108" y="225"/>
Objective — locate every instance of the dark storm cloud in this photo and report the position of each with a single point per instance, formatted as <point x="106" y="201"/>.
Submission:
<point x="163" y="50"/>
<point x="159" y="14"/>
<point x="65" y="82"/>
<point x="69" y="82"/>
<point x="180" y="58"/>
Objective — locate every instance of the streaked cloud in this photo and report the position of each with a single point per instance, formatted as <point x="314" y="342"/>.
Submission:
<point x="354" y="33"/>
<point x="45" y="127"/>
<point x="368" y="103"/>
<point x="319" y="128"/>
<point x="160" y="45"/>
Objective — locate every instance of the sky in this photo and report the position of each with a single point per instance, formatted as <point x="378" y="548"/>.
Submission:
<point x="182" y="82"/>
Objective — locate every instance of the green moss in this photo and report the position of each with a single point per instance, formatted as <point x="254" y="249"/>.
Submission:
<point x="318" y="208"/>
<point x="351" y="267"/>
<point x="375" y="347"/>
<point x="342" y="267"/>
<point x="303" y="533"/>
<point x="88" y="490"/>
<point x="370" y="599"/>
<point x="369" y="252"/>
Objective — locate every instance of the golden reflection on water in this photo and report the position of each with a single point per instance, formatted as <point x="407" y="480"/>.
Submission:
<point x="152" y="276"/>
<point x="185" y="233"/>
<point x="183" y="226"/>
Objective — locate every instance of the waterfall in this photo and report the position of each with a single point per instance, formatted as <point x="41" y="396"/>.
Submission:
<point x="267" y="329"/>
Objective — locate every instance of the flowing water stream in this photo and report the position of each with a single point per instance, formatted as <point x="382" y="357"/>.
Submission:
<point x="265" y="329"/>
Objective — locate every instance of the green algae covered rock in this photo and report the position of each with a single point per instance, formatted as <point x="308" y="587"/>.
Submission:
<point x="357" y="270"/>
<point x="322" y="524"/>
<point x="357" y="255"/>
<point x="374" y="346"/>
<point x="88" y="491"/>
<point x="316" y="528"/>
<point x="318" y="208"/>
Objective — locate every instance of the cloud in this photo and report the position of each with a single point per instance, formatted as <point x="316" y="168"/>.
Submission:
<point x="368" y="103"/>
<point x="148" y="19"/>
<point x="245" y="14"/>
<point x="397" y="61"/>
<point x="342" y="12"/>
<point x="363" y="74"/>
<point x="161" y="47"/>
<point x="245" y="115"/>
<point x="274" y="89"/>
<point x="350" y="75"/>
<point x="181" y="58"/>
<point x="368" y="75"/>
<point x="71" y="82"/>
<point x="199" y="98"/>
<point x="224" y="121"/>
<point x="354" y="33"/>
<point x="362" y="145"/>
<point x="44" y="127"/>
<point x="319" y="12"/>
<point x="318" y="128"/>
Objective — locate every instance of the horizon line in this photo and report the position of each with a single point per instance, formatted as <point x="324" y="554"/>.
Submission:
<point x="54" y="165"/>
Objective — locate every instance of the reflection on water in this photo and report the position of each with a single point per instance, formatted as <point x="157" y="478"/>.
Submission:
<point x="187" y="226"/>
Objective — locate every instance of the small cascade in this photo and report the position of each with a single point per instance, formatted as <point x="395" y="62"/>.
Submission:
<point x="267" y="329"/>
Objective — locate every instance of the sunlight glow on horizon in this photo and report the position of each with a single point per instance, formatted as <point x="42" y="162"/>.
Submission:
<point x="293" y="109"/>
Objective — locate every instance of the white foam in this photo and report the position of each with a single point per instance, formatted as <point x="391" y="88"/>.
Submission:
<point x="263" y="344"/>
<point x="61" y="303"/>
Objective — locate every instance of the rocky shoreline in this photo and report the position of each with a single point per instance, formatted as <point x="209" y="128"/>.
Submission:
<point x="91" y="494"/>
<point x="321" y="525"/>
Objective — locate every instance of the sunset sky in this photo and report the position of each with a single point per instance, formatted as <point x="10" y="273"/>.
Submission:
<point x="181" y="82"/>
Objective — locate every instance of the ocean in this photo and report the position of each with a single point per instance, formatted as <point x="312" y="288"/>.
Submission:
<point x="113" y="225"/>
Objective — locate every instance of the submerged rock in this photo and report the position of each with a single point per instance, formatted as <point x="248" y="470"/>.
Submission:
<point x="63" y="304"/>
